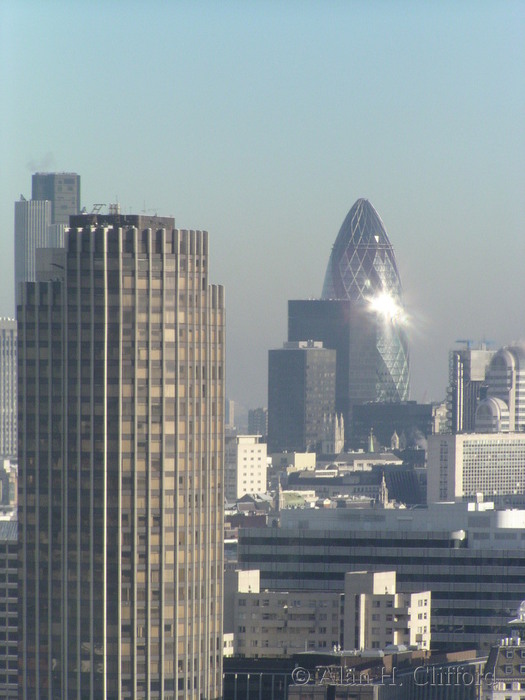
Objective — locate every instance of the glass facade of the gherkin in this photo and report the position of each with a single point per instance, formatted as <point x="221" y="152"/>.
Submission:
<point x="362" y="269"/>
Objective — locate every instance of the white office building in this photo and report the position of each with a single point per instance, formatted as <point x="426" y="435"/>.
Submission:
<point x="245" y="466"/>
<point x="461" y="466"/>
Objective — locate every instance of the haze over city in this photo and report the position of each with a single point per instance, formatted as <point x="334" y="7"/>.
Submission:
<point x="263" y="123"/>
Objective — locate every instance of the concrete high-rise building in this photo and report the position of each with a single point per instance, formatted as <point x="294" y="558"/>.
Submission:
<point x="8" y="389"/>
<point x="121" y="361"/>
<point x="245" y="466"/>
<point x="301" y="394"/>
<point x="62" y="190"/>
<point x="32" y="222"/>
<point x="467" y="386"/>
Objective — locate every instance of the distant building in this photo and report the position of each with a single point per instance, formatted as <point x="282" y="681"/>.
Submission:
<point x="32" y="222"/>
<point x="8" y="486"/>
<point x="8" y="610"/>
<point x="504" y="677"/>
<point x="467" y="386"/>
<point x="258" y="422"/>
<point x="376" y="615"/>
<point x="468" y="554"/>
<point x="412" y="420"/>
<point x="8" y="389"/>
<point x="333" y="434"/>
<point x="439" y="418"/>
<point x="504" y="406"/>
<point x="229" y="412"/>
<point x="62" y="190"/>
<point x="371" y="614"/>
<point x="245" y="466"/>
<point x="278" y="623"/>
<point x="293" y="461"/>
<point x="462" y="466"/>
<point x="301" y="394"/>
<point x="235" y="582"/>
<point x="362" y="268"/>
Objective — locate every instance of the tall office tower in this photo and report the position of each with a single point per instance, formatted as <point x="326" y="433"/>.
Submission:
<point x="362" y="268"/>
<point x="8" y="389"/>
<point x="32" y="221"/>
<point x="467" y="386"/>
<point x="62" y="190"/>
<point x="301" y="395"/>
<point x="121" y="356"/>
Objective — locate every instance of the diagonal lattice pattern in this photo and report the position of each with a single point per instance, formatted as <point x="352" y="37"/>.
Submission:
<point x="362" y="265"/>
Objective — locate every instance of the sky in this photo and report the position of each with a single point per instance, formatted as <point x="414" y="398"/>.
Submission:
<point x="262" y="122"/>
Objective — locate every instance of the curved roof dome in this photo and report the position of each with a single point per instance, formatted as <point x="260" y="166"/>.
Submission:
<point x="362" y="270"/>
<point x="362" y="262"/>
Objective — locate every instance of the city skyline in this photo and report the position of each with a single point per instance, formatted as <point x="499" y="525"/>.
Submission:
<point x="271" y="121"/>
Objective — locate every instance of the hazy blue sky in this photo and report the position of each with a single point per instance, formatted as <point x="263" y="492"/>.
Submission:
<point x="263" y="122"/>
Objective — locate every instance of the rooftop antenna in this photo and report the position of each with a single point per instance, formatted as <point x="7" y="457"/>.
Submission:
<point x="96" y="208"/>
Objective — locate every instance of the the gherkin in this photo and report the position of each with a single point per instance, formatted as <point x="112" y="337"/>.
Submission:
<point x="362" y="269"/>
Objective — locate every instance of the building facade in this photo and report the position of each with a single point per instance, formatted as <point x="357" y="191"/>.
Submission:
<point x="462" y="466"/>
<point x="410" y="420"/>
<point x="32" y="222"/>
<point x="8" y="609"/>
<point x="504" y="406"/>
<point x="245" y="466"/>
<point x="62" y="190"/>
<point x="8" y="389"/>
<point x="467" y="386"/>
<point x="370" y="614"/>
<point x="121" y="361"/>
<point x="470" y="557"/>
<point x="258" y="422"/>
<point x="301" y="395"/>
<point x="376" y="615"/>
<point x="362" y="268"/>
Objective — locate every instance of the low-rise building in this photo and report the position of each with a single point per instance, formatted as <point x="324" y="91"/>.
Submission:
<point x="377" y="616"/>
<point x="370" y="614"/>
<point x="470" y="555"/>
